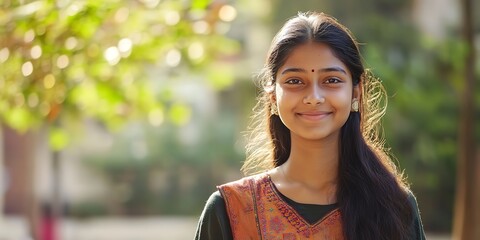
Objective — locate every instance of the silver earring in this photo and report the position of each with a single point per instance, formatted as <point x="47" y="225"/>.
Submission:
<point x="355" y="105"/>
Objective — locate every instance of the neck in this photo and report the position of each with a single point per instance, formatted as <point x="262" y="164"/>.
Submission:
<point x="313" y="164"/>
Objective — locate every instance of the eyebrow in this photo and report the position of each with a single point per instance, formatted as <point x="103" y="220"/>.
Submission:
<point x="329" y="69"/>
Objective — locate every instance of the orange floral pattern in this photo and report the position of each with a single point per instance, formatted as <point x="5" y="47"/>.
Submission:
<point x="256" y="210"/>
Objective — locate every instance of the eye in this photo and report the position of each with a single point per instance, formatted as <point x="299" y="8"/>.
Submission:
<point x="333" y="80"/>
<point x="293" y="81"/>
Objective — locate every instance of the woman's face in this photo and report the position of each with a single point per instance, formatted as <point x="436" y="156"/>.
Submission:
<point x="314" y="92"/>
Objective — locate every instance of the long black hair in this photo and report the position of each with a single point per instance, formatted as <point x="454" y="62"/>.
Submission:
<point x="371" y="193"/>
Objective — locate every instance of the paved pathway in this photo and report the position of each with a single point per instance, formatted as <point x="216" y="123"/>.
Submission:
<point x="13" y="228"/>
<point x="169" y="228"/>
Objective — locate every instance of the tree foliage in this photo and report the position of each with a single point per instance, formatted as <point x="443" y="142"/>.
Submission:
<point x="63" y="61"/>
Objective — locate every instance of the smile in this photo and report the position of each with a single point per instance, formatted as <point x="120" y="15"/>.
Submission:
<point x="314" y="116"/>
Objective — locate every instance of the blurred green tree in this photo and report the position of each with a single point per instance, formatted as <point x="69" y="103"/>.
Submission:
<point x="64" y="61"/>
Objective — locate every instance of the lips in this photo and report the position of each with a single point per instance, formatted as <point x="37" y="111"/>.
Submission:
<point x="314" y="116"/>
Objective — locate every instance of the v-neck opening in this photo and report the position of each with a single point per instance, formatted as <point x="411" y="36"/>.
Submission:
<point x="292" y="210"/>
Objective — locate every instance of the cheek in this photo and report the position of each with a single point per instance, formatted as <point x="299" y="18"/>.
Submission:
<point x="342" y="99"/>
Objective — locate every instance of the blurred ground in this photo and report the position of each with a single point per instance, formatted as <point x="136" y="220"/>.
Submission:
<point x="171" y="228"/>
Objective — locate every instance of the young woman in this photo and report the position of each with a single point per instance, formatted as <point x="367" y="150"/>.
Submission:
<point x="325" y="172"/>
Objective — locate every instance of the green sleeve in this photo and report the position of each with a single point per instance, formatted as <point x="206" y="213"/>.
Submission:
<point x="416" y="229"/>
<point x="214" y="223"/>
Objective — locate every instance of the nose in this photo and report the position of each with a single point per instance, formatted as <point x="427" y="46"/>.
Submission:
<point x="314" y="96"/>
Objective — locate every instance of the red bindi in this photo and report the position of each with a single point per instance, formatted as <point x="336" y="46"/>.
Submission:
<point x="313" y="70"/>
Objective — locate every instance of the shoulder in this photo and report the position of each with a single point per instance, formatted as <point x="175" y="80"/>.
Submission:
<point x="215" y="202"/>
<point x="214" y="207"/>
<point x="412" y="200"/>
<point x="240" y="194"/>
<point x="244" y="182"/>
<point x="214" y="222"/>
<point x="416" y="228"/>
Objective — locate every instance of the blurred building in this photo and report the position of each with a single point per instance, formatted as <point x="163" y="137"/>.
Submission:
<point x="435" y="17"/>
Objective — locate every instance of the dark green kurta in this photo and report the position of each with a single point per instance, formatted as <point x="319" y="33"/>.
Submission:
<point x="214" y="223"/>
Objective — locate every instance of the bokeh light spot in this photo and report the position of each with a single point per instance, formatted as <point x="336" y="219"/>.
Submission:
<point x="4" y="54"/>
<point x="201" y="27"/>
<point x="112" y="55"/>
<point x="63" y="61"/>
<point x="27" y="69"/>
<point x="125" y="45"/>
<point x="173" y="58"/>
<point x="227" y="13"/>
<point x="49" y="81"/>
<point x="172" y="18"/>
<point x="36" y="52"/>
<point x="29" y="36"/>
<point x="196" y="51"/>
<point x="71" y="43"/>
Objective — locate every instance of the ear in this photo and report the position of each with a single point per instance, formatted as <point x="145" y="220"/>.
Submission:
<point x="273" y="98"/>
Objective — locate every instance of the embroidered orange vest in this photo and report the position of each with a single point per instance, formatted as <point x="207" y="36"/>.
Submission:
<point x="256" y="211"/>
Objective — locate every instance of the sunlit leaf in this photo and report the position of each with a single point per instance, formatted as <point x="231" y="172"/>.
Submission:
<point x="19" y="118"/>
<point x="58" y="138"/>
<point x="200" y="4"/>
<point x="179" y="114"/>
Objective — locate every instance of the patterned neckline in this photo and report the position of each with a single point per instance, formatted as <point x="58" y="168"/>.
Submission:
<point x="289" y="212"/>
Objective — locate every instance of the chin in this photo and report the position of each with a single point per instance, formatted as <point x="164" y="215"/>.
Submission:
<point x="312" y="136"/>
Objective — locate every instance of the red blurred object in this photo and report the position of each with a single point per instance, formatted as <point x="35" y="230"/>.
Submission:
<point x="48" y="226"/>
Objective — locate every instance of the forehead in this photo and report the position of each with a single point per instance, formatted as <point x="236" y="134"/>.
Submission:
<point x="313" y="56"/>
